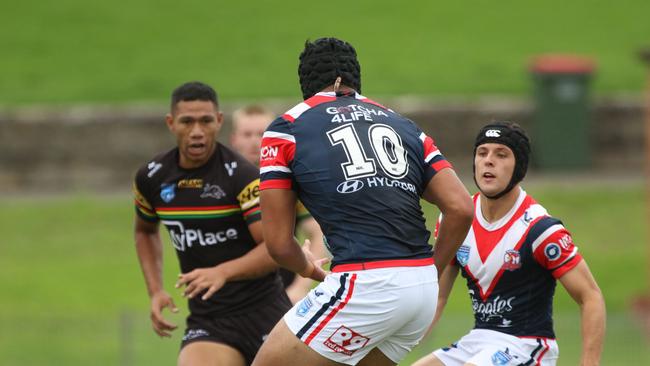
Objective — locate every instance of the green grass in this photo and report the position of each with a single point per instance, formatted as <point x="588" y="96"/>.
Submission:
<point x="73" y="293"/>
<point x="122" y="51"/>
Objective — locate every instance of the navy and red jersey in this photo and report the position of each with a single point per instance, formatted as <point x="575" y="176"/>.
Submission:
<point x="360" y="170"/>
<point x="207" y="211"/>
<point x="512" y="266"/>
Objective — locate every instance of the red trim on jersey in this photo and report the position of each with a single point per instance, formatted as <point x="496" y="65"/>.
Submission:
<point x="366" y="100"/>
<point x="144" y="208"/>
<point x="382" y="264"/>
<point x="252" y="210"/>
<point x="490" y="239"/>
<point x="486" y="294"/>
<point x="329" y="317"/>
<point x="275" y="184"/>
<point x="278" y="152"/>
<point x="566" y="267"/>
<point x="319" y="99"/>
<point x="440" y="165"/>
<point x="288" y="118"/>
<point x="562" y="264"/>
<point x="197" y="208"/>
<point x="311" y="102"/>
<point x="429" y="146"/>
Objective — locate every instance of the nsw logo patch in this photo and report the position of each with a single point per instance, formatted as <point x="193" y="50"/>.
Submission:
<point x="462" y="255"/>
<point x="168" y="192"/>
<point x="501" y="358"/>
<point x="304" y="307"/>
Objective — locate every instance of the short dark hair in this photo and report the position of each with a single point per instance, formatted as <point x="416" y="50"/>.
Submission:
<point x="323" y="60"/>
<point x="194" y="90"/>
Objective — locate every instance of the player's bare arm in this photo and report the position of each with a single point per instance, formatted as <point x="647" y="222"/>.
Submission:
<point x="149" y="249"/>
<point x="255" y="263"/>
<point x="581" y="285"/>
<point x="447" y="192"/>
<point x="279" y="217"/>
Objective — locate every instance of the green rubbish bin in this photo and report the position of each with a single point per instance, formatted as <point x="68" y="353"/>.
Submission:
<point x="561" y="130"/>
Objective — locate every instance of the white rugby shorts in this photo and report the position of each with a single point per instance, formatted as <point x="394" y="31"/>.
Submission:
<point x="489" y="347"/>
<point x="352" y="312"/>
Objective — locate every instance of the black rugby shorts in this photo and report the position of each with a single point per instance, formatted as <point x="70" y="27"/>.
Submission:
<point x="244" y="332"/>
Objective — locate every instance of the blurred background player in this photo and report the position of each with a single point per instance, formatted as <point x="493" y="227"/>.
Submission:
<point x="207" y="197"/>
<point x="248" y="126"/>
<point x="360" y="169"/>
<point x="512" y="257"/>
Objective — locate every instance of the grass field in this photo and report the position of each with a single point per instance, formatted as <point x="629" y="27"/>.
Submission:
<point x="73" y="293"/>
<point x="73" y="51"/>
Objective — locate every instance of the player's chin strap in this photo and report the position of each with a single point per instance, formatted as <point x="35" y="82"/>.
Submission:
<point x="509" y="188"/>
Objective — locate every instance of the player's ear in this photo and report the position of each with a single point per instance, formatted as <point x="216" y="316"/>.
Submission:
<point x="169" y="120"/>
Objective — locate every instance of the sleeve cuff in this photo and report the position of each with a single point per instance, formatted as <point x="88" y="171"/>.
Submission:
<point x="566" y="267"/>
<point x="275" y="184"/>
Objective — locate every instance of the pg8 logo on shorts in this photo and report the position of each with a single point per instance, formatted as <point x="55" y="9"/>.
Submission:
<point x="345" y="340"/>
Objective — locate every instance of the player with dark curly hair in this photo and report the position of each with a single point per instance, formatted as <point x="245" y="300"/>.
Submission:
<point x="361" y="170"/>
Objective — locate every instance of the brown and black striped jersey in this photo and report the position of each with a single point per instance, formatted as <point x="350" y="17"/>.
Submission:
<point x="207" y="211"/>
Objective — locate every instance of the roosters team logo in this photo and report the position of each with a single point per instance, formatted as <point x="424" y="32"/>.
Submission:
<point x="511" y="260"/>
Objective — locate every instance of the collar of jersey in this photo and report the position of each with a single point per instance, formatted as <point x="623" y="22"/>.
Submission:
<point x="491" y="226"/>
<point x="333" y="94"/>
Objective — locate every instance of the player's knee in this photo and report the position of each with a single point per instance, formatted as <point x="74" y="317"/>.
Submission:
<point x="429" y="360"/>
<point x="210" y="354"/>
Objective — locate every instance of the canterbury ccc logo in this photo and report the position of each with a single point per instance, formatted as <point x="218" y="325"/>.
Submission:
<point x="349" y="186"/>
<point x="492" y="133"/>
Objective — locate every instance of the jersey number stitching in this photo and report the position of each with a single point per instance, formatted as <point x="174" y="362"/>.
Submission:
<point x="386" y="145"/>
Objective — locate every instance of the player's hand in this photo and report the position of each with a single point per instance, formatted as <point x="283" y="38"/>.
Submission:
<point x="313" y="270"/>
<point x="159" y="301"/>
<point x="199" y="280"/>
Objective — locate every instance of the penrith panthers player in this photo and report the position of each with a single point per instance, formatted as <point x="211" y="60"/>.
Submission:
<point x="207" y="196"/>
